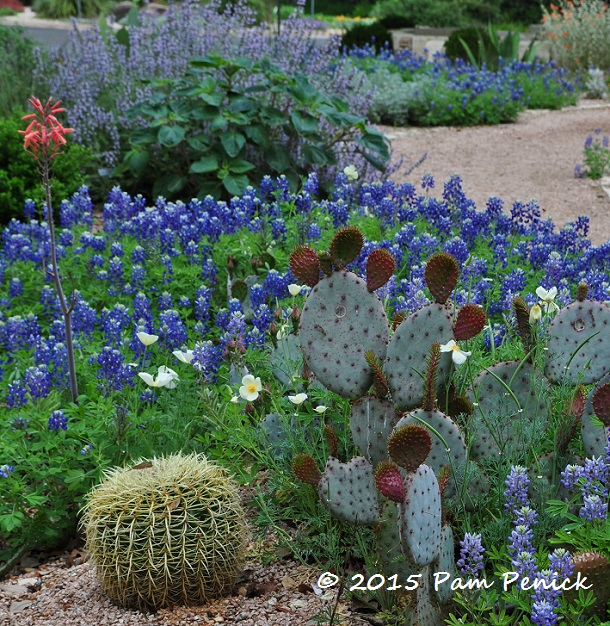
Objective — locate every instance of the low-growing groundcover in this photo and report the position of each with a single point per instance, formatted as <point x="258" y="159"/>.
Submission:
<point x="177" y="310"/>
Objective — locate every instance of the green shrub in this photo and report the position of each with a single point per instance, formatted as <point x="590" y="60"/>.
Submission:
<point x="209" y="134"/>
<point x="397" y="21"/>
<point x="16" y="69"/>
<point x="471" y="36"/>
<point x="62" y="9"/>
<point x="19" y="176"/>
<point x="374" y="34"/>
<point x="434" y="13"/>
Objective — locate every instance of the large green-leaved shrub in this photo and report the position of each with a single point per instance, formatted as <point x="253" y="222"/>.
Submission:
<point x="19" y="176"/>
<point x="62" y="9"/>
<point x="226" y="124"/>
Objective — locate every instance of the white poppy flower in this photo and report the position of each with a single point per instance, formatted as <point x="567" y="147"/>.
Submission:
<point x="298" y="399"/>
<point x="147" y="339"/>
<point x="535" y="314"/>
<point x="320" y="409"/>
<point x="250" y="387"/>
<point x="294" y="290"/>
<point x="548" y="298"/>
<point x="235" y="399"/>
<point x="165" y="378"/>
<point x="185" y="357"/>
<point x="351" y="172"/>
<point x="458" y="356"/>
<point x="173" y="376"/>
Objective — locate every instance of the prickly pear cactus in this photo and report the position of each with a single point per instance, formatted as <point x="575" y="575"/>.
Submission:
<point x="408" y="350"/>
<point x="141" y="521"/>
<point x="419" y="522"/>
<point x="510" y="408"/>
<point x="348" y="490"/>
<point x="579" y="343"/>
<point x="371" y="421"/>
<point x="595" y="438"/>
<point x="340" y="322"/>
<point x="596" y="568"/>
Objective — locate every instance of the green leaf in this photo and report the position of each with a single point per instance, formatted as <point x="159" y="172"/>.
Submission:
<point x="200" y="142"/>
<point x="375" y="142"/>
<point x="258" y="135"/>
<point x="137" y="160"/>
<point x="209" y="189"/>
<point x="214" y="99"/>
<point x="143" y="136"/>
<point x="241" y="104"/>
<point x="168" y="185"/>
<point x="122" y="36"/>
<point x="171" y="136"/>
<point x="236" y="185"/>
<point x="303" y="123"/>
<point x="232" y="142"/>
<point x="317" y="156"/>
<point x="278" y="157"/>
<point x="240" y="166"/>
<point x="204" y="165"/>
<point x="378" y="164"/>
<point x="218" y="123"/>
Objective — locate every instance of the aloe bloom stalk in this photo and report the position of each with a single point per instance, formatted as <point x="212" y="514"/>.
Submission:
<point x="43" y="139"/>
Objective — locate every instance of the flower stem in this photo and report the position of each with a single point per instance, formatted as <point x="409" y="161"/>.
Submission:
<point x="66" y="310"/>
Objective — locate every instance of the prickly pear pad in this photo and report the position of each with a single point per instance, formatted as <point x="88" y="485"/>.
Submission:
<point x="340" y="322"/>
<point x="371" y="421"/>
<point x="409" y="349"/>
<point x="568" y="331"/>
<point x="420" y="517"/>
<point x="594" y="438"/>
<point x="451" y="451"/>
<point x="445" y="562"/>
<point x="348" y="490"/>
<point x="497" y="418"/>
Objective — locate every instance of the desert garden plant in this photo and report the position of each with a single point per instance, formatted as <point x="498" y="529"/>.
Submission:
<point x="596" y="157"/>
<point x="578" y="31"/>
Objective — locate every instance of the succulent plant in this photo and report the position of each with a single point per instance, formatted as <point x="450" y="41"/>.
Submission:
<point x="596" y="568"/>
<point x="165" y="531"/>
<point x="579" y="343"/>
<point x="595" y="437"/>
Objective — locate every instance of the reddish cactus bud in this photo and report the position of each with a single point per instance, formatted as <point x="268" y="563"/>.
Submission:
<point x="441" y="276"/>
<point x="380" y="266"/>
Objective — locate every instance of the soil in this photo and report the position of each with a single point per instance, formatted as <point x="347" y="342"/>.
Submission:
<point x="533" y="158"/>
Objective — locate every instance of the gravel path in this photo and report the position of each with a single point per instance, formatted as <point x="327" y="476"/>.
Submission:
<point x="532" y="158"/>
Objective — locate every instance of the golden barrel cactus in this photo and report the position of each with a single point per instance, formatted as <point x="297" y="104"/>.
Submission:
<point x="165" y="532"/>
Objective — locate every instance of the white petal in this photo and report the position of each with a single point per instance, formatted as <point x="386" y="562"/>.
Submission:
<point x="447" y="347"/>
<point x="551" y="293"/>
<point x="541" y="292"/>
<point x="166" y="370"/>
<point x="147" y="339"/>
<point x="257" y="384"/>
<point x="248" y="379"/>
<point x="163" y="380"/>
<point x="185" y="357"/>
<point x="320" y="409"/>
<point x="459" y="357"/>
<point x="235" y="399"/>
<point x="294" y="290"/>
<point x="298" y="399"/>
<point x="147" y="378"/>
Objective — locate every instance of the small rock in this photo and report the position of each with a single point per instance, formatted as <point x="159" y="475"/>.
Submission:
<point x="17" y="607"/>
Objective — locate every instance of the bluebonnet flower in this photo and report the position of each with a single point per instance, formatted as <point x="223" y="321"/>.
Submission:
<point x="116" y="249"/>
<point x="166" y="301"/>
<point x="138" y="255"/>
<point x="17" y="395"/>
<point x="86" y="449"/>
<point x="18" y="423"/>
<point x="148" y="395"/>
<point x="314" y="232"/>
<point x="594" y="508"/>
<point x="112" y="370"/>
<point x="38" y="381"/>
<point x="15" y="288"/>
<point x="517" y="483"/>
<point x="570" y="476"/>
<point x="207" y="359"/>
<point x="6" y="470"/>
<point x="427" y="181"/>
<point x="172" y="329"/>
<point x="58" y="421"/>
<point x="470" y="562"/>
